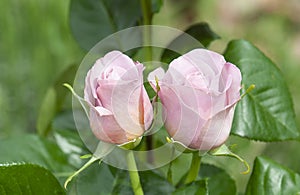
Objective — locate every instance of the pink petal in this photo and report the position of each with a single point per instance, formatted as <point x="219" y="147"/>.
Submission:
<point x="148" y="109"/>
<point x="233" y="90"/>
<point x="181" y="120"/>
<point x="126" y="106"/>
<point x="106" y="128"/>
<point x="198" y="100"/>
<point x="215" y="132"/>
<point x="104" y="92"/>
<point x="158" y="73"/>
<point x="123" y="62"/>
<point x="206" y="62"/>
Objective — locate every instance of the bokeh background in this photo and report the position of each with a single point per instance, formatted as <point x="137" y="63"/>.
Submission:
<point x="36" y="45"/>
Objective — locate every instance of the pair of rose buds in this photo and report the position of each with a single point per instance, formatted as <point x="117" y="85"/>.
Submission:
<point x="198" y="94"/>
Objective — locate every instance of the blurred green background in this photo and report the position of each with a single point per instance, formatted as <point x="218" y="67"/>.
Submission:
<point x="36" y="45"/>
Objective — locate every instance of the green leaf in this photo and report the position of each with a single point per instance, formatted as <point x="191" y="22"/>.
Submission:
<point x="150" y="179"/>
<point x="179" y="167"/>
<point x="66" y="76"/>
<point x="95" y="180"/>
<point x="70" y="143"/>
<point x="47" y="112"/>
<point x="64" y="121"/>
<point x="54" y="100"/>
<point x="202" y="33"/>
<point x="152" y="183"/>
<point x="93" y="20"/>
<point x="122" y="183"/>
<point x="27" y="179"/>
<point x="34" y="149"/>
<point x="151" y="93"/>
<point x="219" y="182"/>
<point x="196" y="188"/>
<point x="200" y="36"/>
<point x="266" y="113"/>
<point x="156" y="5"/>
<point x="269" y="177"/>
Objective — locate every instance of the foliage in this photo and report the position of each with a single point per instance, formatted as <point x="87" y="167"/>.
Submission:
<point x="269" y="177"/>
<point x="39" y="164"/>
<point x="33" y="180"/>
<point x="266" y="113"/>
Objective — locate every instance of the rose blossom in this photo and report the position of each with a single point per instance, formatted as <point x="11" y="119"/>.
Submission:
<point x="120" y="109"/>
<point x="198" y="93"/>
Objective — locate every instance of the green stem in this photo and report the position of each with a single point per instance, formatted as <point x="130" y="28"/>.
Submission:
<point x="147" y="11"/>
<point x="194" y="169"/>
<point x="86" y="165"/>
<point x="169" y="173"/>
<point x="134" y="175"/>
<point x="147" y="20"/>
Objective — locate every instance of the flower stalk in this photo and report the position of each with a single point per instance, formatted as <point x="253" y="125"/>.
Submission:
<point x="86" y="165"/>
<point x="194" y="169"/>
<point x="134" y="175"/>
<point x="147" y="20"/>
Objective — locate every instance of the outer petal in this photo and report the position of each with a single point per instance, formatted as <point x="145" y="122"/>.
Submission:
<point x="120" y="107"/>
<point x="215" y="132"/>
<point x="148" y="109"/>
<point x="107" y="87"/>
<point x="233" y="91"/>
<point x="199" y="92"/>
<point x="91" y="84"/>
<point x="88" y="96"/>
<point x="93" y="75"/>
<point x="158" y="73"/>
<point x="106" y="128"/>
<point x="197" y="100"/>
<point x="127" y="106"/>
<point x="105" y="91"/>
<point x="181" y="120"/>
<point x="111" y="67"/>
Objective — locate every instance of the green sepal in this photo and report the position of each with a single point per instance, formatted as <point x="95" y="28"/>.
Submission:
<point x="83" y="103"/>
<point x="224" y="151"/>
<point x="131" y="144"/>
<point x="101" y="151"/>
<point x="86" y="156"/>
<point x="180" y="146"/>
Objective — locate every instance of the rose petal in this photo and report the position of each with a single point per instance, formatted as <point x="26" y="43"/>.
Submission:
<point x="148" y="109"/>
<point x="181" y="121"/>
<point x="215" y="132"/>
<point x="91" y="83"/>
<point x="200" y="89"/>
<point x="233" y="92"/>
<point x="206" y="62"/>
<point x="158" y="73"/>
<point x="104" y="92"/>
<point x="106" y="128"/>
<point x="115" y="59"/>
<point x="126" y="104"/>
<point x="195" y="99"/>
<point x="120" y="107"/>
<point x="102" y="111"/>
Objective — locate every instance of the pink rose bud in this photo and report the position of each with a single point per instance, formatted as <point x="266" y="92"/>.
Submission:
<point x="198" y="93"/>
<point x="120" y="109"/>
